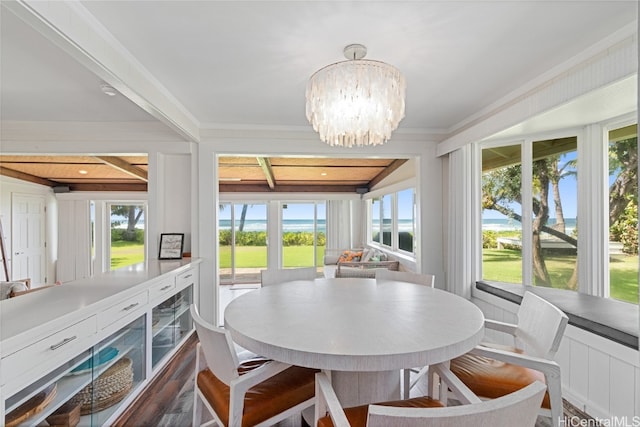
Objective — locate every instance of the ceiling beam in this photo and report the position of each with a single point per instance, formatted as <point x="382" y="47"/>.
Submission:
<point x="109" y="187"/>
<point x="27" y="177"/>
<point x="386" y="172"/>
<point x="265" y="164"/>
<point x="263" y="188"/>
<point x="125" y="167"/>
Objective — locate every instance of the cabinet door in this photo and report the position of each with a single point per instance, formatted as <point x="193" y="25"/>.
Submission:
<point x="90" y="388"/>
<point x="171" y="324"/>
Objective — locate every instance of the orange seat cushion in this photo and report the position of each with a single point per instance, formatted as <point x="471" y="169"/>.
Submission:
<point x="263" y="401"/>
<point x="357" y="415"/>
<point x="492" y="378"/>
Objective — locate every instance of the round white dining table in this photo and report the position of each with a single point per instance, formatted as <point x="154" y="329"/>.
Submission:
<point x="361" y="330"/>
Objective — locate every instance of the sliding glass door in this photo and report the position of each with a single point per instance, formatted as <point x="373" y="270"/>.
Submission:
<point x="303" y="234"/>
<point x="242" y="242"/>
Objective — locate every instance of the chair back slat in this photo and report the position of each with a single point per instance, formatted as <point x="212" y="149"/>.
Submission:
<point x="405" y="276"/>
<point x="272" y="277"/>
<point x="217" y="347"/>
<point x="541" y="326"/>
<point x="516" y="409"/>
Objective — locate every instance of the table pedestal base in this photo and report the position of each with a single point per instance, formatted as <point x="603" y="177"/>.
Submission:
<point x="359" y="388"/>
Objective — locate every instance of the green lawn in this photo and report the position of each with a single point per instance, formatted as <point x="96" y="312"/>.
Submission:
<point x="505" y="265"/>
<point x="500" y="265"/>
<point x="256" y="256"/>
<point x="126" y="253"/>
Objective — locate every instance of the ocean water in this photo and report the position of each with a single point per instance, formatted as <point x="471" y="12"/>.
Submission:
<point x="293" y="225"/>
<point x="506" y="224"/>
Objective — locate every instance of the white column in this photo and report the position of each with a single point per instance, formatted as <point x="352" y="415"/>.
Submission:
<point x="460" y="262"/>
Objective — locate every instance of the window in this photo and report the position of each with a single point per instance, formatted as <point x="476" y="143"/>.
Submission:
<point x="375" y="229"/>
<point x="623" y="213"/>
<point x="242" y="236"/>
<point x="543" y="251"/>
<point x="392" y="221"/>
<point x="303" y="234"/>
<point x="502" y="214"/>
<point x="127" y="234"/>
<point x="406" y="219"/>
<point x="554" y="205"/>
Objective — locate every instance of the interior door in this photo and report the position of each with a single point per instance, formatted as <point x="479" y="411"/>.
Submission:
<point x="28" y="252"/>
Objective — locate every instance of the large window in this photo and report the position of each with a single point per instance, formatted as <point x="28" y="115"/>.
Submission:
<point x="553" y="206"/>
<point x="303" y="234"/>
<point x="623" y="213"/>
<point x="501" y="214"/>
<point x="541" y="248"/>
<point x="242" y="241"/>
<point x="393" y="221"/>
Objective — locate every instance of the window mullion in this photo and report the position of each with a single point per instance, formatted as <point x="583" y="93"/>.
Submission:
<point x="527" y="212"/>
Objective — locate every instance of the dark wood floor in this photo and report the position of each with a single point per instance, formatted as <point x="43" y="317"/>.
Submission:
<point x="168" y="399"/>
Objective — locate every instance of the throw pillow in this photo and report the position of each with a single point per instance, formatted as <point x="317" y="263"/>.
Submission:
<point x="350" y="256"/>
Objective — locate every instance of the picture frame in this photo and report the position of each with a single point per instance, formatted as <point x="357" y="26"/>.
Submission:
<point x="171" y="245"/>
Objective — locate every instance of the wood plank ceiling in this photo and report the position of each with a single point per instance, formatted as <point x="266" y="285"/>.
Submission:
<point x="236" y="173"/>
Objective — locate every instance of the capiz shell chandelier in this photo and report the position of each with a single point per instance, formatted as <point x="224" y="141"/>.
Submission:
<point x="356" y="102"/>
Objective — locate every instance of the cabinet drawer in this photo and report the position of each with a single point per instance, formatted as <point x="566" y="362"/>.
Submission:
<point x="161" y="288"/>
<point x="186" y="278"/>
<point x="122" y="309"/>
<point x="61" y="345"/>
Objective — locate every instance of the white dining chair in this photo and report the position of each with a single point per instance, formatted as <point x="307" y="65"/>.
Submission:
<point x="281" y="275"/>
<point x="517" y="409"/>
<point x="256" y="393"/>
<point x="492" y="370"/>
<point x="410" y="277"/>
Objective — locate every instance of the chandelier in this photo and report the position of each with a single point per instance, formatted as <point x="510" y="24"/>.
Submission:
<point x="356" y="102"/>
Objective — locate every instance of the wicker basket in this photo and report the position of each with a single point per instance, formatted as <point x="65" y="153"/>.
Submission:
<point x="108" y="389"/>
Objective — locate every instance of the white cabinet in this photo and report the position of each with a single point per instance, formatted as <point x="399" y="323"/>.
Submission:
<point x="99" y="351"/>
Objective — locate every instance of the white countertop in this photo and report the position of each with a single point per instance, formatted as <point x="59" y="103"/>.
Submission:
<point x="39" y="313"/>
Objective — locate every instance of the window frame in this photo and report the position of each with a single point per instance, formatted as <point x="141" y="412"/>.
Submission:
<point x="592" y="203"/>
<point x="391" y="192"/>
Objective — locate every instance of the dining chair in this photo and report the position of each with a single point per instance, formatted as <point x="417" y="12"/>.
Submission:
<point x="251" y="393"/>
<point x="410" y="277"/>
<point x="272" y="277"/>
<point x="493" y="370"/>
<point x="519" y="408"/>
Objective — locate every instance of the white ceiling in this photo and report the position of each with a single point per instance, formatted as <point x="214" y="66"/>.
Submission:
<point x="246" y="63"/>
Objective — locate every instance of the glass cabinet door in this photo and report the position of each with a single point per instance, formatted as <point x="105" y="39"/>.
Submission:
<point x="85" y="390"/>
<point x="171" y="323"/>
<point x="118" y="369"/>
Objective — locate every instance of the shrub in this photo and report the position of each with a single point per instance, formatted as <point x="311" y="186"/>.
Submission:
<point x="121" y="234"/>
<point x="489" y="239"/>
<point x="625" y="229"/>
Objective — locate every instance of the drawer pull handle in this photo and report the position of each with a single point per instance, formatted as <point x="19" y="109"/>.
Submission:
<point x="187" y="276"/>
<point x="165" y="288"/>
<point x="63" y="342"/>
<point x="129" y="307"/>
